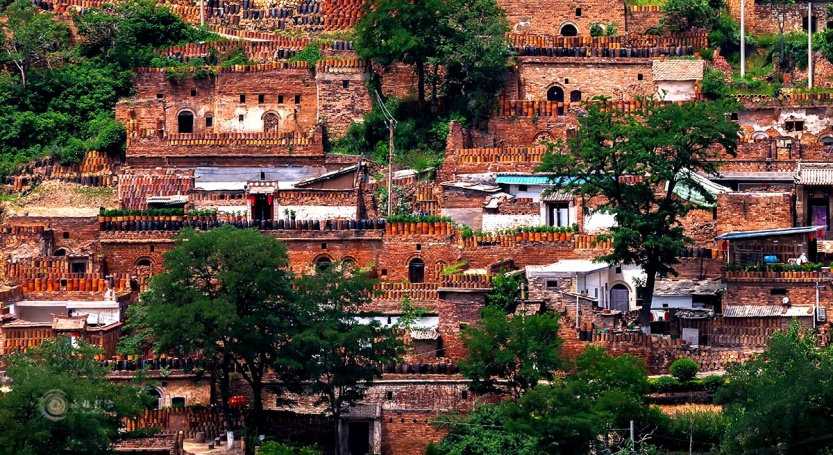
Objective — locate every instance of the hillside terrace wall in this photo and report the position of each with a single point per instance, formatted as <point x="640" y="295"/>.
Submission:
<point x="75" y="235"/>
<point x="763" y="18"/>
<point x="530" y="16"/>
<point x="619" y="78"/>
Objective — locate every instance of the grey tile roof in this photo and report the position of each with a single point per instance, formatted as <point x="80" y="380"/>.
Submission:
<point x="677" y="70"/>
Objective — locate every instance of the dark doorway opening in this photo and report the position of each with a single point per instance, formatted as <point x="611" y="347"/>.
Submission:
<point x="358" y="438"/>
<point x="185" y="122"/>
<point x="416" y="271"/>
<point x="555" y="94"/>
<point x="262" y="209"/>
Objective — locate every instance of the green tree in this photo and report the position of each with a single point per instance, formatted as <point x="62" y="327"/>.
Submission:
<point x="570" y="415"/>
<point x="688" y="15"/>
<point x="780" y="399"/>
<point x="226" y="294"/>
<point x="511" y="354"/>
<point x="61" y="402"/>
<point x="474" y="56"/>
<point x="506" y="289"/>
<point x="665" y="145"/>
<point x="403" y="31"/>
<point x="343" y="346"/>
<point x="780" y="8"/>
<point x="32" y="38"/>
<point x="481" y="432"/>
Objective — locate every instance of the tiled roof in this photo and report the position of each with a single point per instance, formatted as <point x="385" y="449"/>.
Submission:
<point x="767" y="311"/>
<point x="814" y="174"/>
<point x="677" y="70"/>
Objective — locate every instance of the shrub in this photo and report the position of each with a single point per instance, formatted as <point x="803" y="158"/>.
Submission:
<point x="712" y="382"/>
<point x="664" y="384"/>
<point x="596" y="29"/>
<point x="684" y="369"/>
<point x="280" y="448"/>
<point x="714" y="86"/>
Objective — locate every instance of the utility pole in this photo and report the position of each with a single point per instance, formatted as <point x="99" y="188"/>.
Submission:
<point x="742" y="38"/>
<point x="810" y="50"/>
<point x="202" y="13"/>
<point x="391" y="126"/>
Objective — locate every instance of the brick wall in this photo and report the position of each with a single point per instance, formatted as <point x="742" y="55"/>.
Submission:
<point x="343" y="97"/>
<point x="532" y="16"/>
<point x="617" y="78"/>
<point x="752" y="211"/>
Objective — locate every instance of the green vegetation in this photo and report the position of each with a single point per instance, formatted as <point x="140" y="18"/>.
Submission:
<point x="482" y="431"/>
<point x="506" y="289"/>
<point x="278" y="448"/>
<point x="61" y="401"/>
<point x="510" y="354"/>
<point x="147" y="212"/>
<point x="419" y="219"/>
<point x="684" y="370"/>
<point x="808" y="267"/>
<point x="310" y="54"/>
<point x="687" y="15"/>
<point x="60" y="100"/>
<point x="667" y="143"/>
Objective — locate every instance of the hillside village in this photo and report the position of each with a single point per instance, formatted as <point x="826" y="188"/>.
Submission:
<point x="257" y="145"/>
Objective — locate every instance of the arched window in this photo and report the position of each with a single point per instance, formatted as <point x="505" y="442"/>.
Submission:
<point x="416" y="271"/>
<point x="568" y="30"/>
<point x="185" y="122"/>
<point x="620" y="298"/>
<point x="323" y="263"/>
<point x="575" y="96"/>
<point x="348" y="263"/>
<point x="759" y="136"/>
<point x="209" y="120"/>
<point x="144" y="263"/>
<point x="555" y="93"/>
<point x="157" y="394"/>
<point x="270" y="123"/>
<point x="826" y="140"/>
<point x="60" y="252"/>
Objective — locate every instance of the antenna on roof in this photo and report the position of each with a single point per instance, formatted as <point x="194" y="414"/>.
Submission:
<point x="391" y="125"/>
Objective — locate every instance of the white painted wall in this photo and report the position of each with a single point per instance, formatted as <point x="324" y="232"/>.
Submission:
<point x="598" y="222"/>
<point x="493" y="222"/>
<point x="675" y="90"/>
<point x="317" y="212"/>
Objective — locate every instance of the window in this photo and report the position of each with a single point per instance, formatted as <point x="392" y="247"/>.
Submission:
<point x="733" y="116"/>
<point x="66" y="235"/>
<point x="639" y="77"/>
<point x="270" y="123"/>
<point x="813" y="22"/>
<point x="827" y="141"/>
<point x="419" y="247"/>
<point x="323" y="245"/>
<point x="416" y="271"/>
<point x="160" y="96"/>
<point x="323" y="263"/>
<point x="795" y="125"/>
<point x="575" y="96"/>
<point x="759" y="136"/>
<point x="465" y="394"/>
<point x="144" y="263"/>
<point x="778" y="291"/>
<point x="242" y="99"/>
<point x="569" y="29"/>
<point x="178" y="402"/>
<point x="280" y="99"/>
<point x="558" y="214"/>
<point x="297" y="99"/>
<point x="618" y="269"/>
<point x="240" y="118"/>
<point x="578" y="12"/>
<point x="523" y="188"/>
<point x="185" y="122"/>
<point x="151" y="248"/>
<point x="78" y="266"/>
<point x="552" y="284"/>
<point x="345" y="83"/>
<point x="261" y="98"/>
<point x="566" y="81"/>
<point x="390" y="395"/>
<point x="193" y="92"/>
<point x="61" y="252"/>
<point x="209" y="121"/>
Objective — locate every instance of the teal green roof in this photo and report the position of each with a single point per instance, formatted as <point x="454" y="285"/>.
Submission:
<point x="523" y="179"/>
<point x="685" y="192"/>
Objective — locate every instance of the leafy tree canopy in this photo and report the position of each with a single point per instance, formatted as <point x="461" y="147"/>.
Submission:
<point x="511" y="354"/>
<point x="61" y="402"/>
<point x="664" y="147"/>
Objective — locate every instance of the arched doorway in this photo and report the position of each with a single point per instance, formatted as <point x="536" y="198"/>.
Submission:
<point x="270" y="122"/>
<point x="416" y="271"/>
<point x="620" y="298"/>
<point x="185" y="122"/>
<point x="144" y="270"/>
<point x="158" y="395"/>
<point x="555" y="93"/>
<point x="568" y="30"/>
